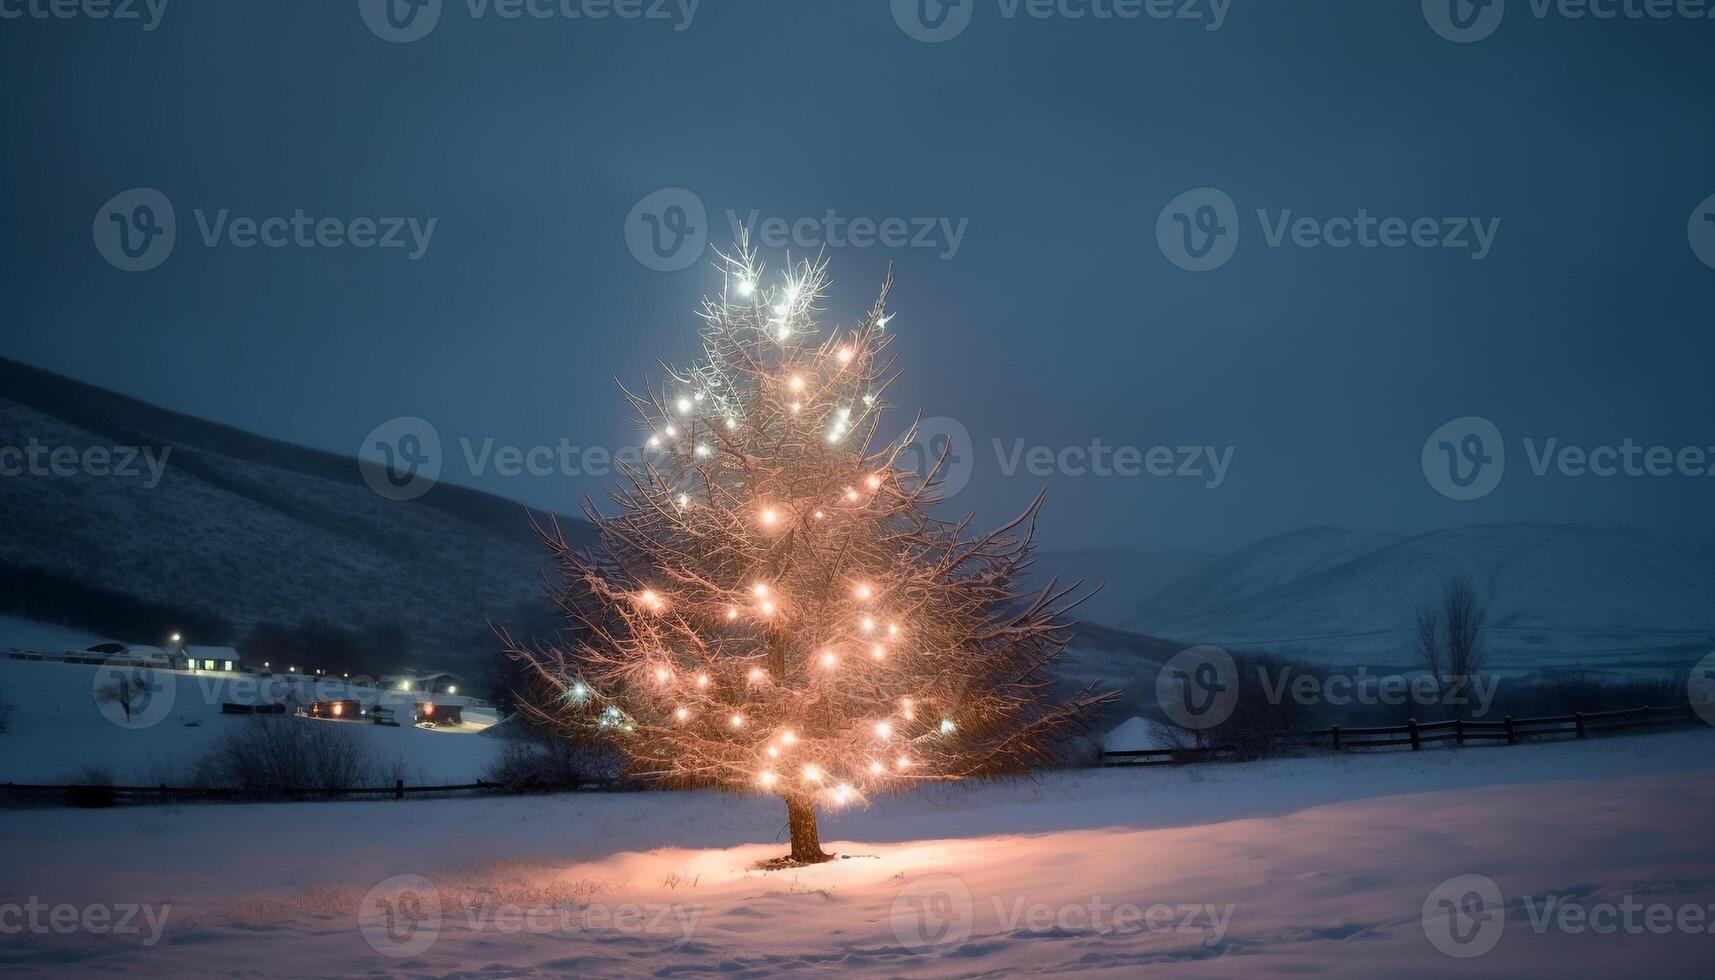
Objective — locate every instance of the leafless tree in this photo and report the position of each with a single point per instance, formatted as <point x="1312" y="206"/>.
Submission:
<point x="1450" y="639"/>
<point x="126" y="690"/>
<point x="773" y="609"/>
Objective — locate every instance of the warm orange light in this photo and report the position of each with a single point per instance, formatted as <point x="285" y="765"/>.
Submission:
<point x="851" y="494"/>
<point x="903" y="763"/>
<point x="767" y="607"/>
<point x="702" y="680"/>
<point x="759" y="589"/>
<point x="788" y="737"/>
<point x="867" y="624"/>
<point x="736" y="721"/>
<point x="681" y="714"/>
<point x="732" y="612"/>
<point x="757" y="675"/>
<point x="662" y="674"/>
<point x="877" y="651"/>
<point x="845" y="355"/>
<point x="864" y="591"/>
<point x="874" y="481"/>
<point x="883" y="729"/>
<point x="877" y="768"/>
<point x="812" y="774"/>
<point x="767" y="778"/>
<point x="829" y="660"/>
<point x="769" y="517"/>
<point x="797" y="383"/>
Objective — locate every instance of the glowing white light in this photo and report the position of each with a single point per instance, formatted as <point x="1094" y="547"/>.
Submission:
<point x="903" y="763"/>
<point x="947" y="726"/>
<point x="758" y="675"/>
<point x="746" y="286"/>
<point x="883" y="730"/>
<point x="812" y="774"/>
<point x="773" y="753"/>
<point x="732" y="612"/>
<point x="662" y="674"/>
<point x="877" y="651"/>
<point x="654" y="442"/>
<point x="788" y="737"/>
<point x="681" y="714"/>
<point x="684" y="405"/>
<point x="873" y="480"/>
<point x="731" y="422"/>
<point x="864" y="591"/>
<point x="796" y="384"/>
<point x="736" y="721"/>
<point x="702" y="680"/>
<point x="877" y="768"/>
<point x="760" y="589"/>
<point x="829" y="660"/>
<point x="702" y="449"/>
<point x="867" y="624"/>
<point x="767" y="607"/>
<point x="845" y="355"/>
<point x="767" y="778"/>
<point x="672" y="431"/>
<point x="842" y="793"/>
<point x="684" y="500"/>
<point x="769" y="516"/>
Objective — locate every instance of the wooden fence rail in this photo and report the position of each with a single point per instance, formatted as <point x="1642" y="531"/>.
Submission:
<point x="1416" y="734"/>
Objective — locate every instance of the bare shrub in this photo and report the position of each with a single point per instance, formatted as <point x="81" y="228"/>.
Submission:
<point x="267" y="754"/>
<point x="532" y="764"/>
<point x="1449" y="642"/>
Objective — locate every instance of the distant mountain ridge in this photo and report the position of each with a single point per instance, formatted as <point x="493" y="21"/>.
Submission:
<point x="1556" y="593"/>
<point x="246" y="529"/>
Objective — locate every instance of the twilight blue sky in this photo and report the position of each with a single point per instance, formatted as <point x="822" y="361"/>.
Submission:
<point x="1058" y="320"/>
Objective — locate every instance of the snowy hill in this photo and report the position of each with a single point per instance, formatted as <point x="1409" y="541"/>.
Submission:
<point x="1124" y="575"/>
<point x="1556" y="594"/>
<point x="242" y="529"/>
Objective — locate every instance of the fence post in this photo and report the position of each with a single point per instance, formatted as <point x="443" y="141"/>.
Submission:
<point x="1336" y="738"/>
<point x="1458" y="731"/>
<point x="1416" y="740"/>
<point x="1578" y="719"/>
<point x="1512" y="733"/>
<point x="398" y="789"/>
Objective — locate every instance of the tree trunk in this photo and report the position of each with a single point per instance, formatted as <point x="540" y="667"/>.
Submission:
<point x="806" y="844"/>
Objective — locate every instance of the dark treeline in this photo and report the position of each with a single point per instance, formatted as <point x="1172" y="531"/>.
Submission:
<point x="46" y="597"/>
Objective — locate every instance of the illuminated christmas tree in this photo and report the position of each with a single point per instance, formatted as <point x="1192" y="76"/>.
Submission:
<point x="773" y="609"/>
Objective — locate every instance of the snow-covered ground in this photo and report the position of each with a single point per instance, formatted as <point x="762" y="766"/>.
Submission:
<point x="1317" y="865"/>
<point x="59" y="729"/>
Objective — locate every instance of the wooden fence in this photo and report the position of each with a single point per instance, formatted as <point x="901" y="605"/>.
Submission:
<point x="1417" y="734"/>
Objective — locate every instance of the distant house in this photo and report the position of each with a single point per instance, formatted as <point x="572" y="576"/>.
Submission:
<point x="208" y="659"/>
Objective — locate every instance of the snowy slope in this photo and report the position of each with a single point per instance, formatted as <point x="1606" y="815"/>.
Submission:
<point x="1301" y="867"/>
<point x="242" y="529"/>
<point x="1556" y="593"/>
<point x="1126" y="576"/>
